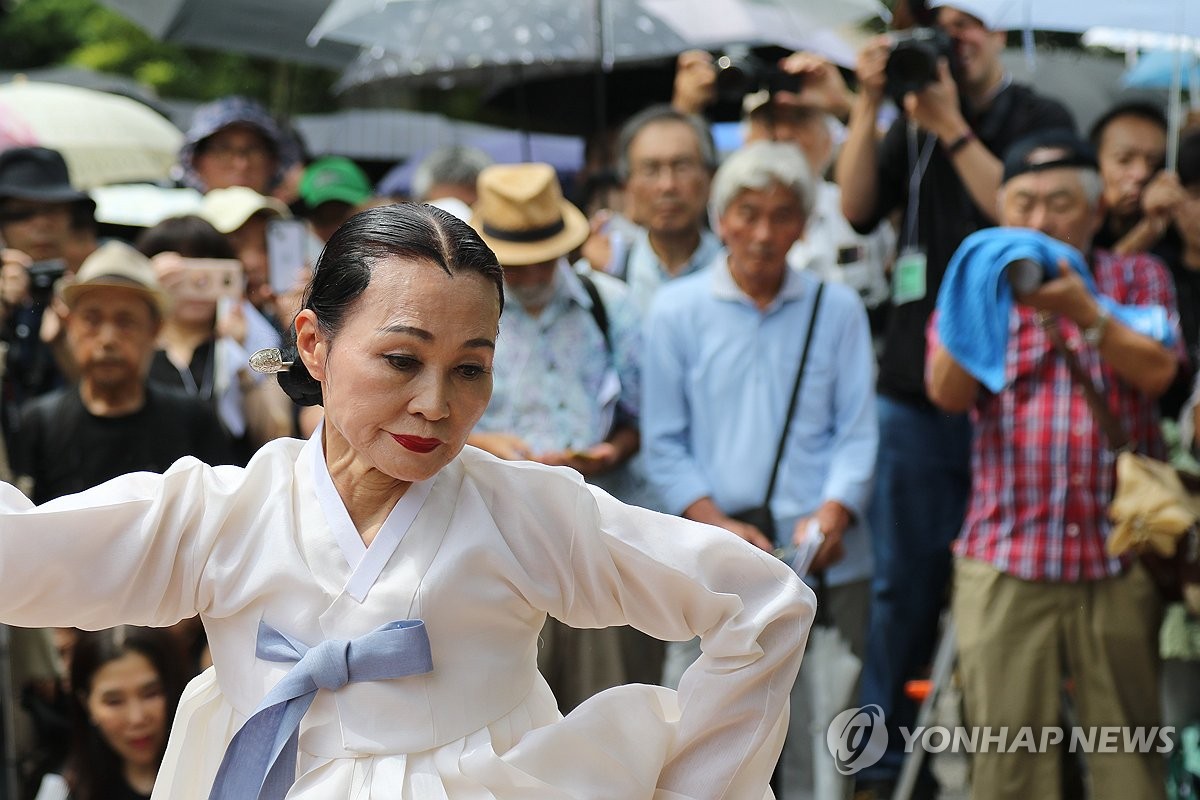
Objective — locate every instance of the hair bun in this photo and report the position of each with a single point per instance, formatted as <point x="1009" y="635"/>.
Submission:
<point x="298" y="384"/>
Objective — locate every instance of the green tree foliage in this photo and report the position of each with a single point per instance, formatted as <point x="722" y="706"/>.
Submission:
<point x="43" y="33"/>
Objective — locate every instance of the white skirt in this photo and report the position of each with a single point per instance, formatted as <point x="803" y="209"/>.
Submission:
<point x="611" y="747"/>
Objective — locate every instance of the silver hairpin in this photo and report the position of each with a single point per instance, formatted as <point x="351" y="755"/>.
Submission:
<point x="269" y="361"/>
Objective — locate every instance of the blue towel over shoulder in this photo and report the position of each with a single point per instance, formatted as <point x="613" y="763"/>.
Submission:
<point x="976" y="298"/>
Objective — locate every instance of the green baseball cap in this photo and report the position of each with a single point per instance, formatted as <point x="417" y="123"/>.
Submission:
<point x="334" y="178"/>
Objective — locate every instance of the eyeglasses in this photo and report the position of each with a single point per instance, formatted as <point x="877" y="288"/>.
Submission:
<point x="228" y="153"/>
<point x="680" y="169"/>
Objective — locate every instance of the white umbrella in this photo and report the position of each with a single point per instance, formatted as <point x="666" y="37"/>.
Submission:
<point x="105" y="138"/>
<point x="1180" y="17"/>
<point x="808" y="25"/>
<point x="828" y="679"/>
<point x="1173" y="17"/>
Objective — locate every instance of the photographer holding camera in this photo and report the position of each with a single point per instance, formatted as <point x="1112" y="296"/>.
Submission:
<point x="37" y="202"/>
<point x="1036" y="596"/>
<point x="939" y="166"/>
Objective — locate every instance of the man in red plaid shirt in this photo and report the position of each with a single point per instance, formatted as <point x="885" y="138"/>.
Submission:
<point x="1035" y="596"/>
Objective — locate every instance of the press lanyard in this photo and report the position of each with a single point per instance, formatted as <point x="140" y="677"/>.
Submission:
<point x="205" y="389"/>
<point x="920" y="164"/>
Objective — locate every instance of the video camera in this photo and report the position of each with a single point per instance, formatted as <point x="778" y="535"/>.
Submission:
<point x="913" y="62"/>
<point x="740" y="73"/>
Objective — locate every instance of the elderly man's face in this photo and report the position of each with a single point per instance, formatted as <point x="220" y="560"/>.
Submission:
<point x="409" y="374"/>
<point x="758" y="228"/>
<point x="668" y="182"/>
<point x="1131" y="150"/>
<point x="38" y="229"/>
<point x="111" y="332"/>
<point x="236" y="156"/>
<point x="532" y="285"/>
<point x="1052" y="201"/>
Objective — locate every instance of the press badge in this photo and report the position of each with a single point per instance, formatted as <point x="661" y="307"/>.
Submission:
<point x="908" y="277"/>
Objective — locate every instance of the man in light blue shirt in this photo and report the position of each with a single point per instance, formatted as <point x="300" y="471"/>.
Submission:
<point x="722" y="351"/>
<point x="665" y="160"/>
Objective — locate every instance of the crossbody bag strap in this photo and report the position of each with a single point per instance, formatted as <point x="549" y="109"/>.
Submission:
<point x="787" y="419"/>
<point x="1118" y="438"/>
<point x="599" y="312"/>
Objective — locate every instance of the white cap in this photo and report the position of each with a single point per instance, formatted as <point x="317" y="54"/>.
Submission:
<point x="985" y="12"/>
<point x="229" y="209"/>
<point x="452" y="205"/>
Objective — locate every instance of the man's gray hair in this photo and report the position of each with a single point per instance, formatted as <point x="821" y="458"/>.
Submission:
<point x="455" y="165"/>
<point x="1089" y="180"/>
<point x="663" y="113"/>
<point x="757" y="166"/>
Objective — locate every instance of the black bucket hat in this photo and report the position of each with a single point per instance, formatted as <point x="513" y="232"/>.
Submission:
<point x="36" y="173"/>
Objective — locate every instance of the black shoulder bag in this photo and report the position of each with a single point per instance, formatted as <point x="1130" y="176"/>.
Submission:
<point x="760" y="516"/>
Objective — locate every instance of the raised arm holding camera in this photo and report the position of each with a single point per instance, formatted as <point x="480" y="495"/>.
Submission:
<point x="939" y="166"/>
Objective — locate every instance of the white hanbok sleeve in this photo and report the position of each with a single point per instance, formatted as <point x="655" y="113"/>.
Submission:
<point x="605" y="563"/>
<point x="124" y="552"/>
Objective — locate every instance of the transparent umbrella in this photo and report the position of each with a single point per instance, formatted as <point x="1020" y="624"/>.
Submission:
<point x="448" y="35"/>
<point x="441" y="37"/>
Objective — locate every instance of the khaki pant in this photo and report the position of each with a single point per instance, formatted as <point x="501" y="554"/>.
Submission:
<point x="579" y="662"/>
<point x="1018" y="639"/>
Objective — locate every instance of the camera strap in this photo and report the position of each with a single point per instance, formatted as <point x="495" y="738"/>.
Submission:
<point x="918" y="165"/>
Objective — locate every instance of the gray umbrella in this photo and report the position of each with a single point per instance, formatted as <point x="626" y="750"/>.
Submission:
<point x="266" y="28"/>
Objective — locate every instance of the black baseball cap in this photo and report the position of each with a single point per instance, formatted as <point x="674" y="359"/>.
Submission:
<point x="1062" y="148"/>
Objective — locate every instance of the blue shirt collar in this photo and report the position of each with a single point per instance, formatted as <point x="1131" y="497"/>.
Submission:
<point x="708" y="248"/>
<point x="725" y="288"/>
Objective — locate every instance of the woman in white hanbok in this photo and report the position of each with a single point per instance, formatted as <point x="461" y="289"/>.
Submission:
<point x="385" y="515"/>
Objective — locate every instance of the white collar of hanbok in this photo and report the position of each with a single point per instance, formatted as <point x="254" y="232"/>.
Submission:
<point x="366" y="563"/>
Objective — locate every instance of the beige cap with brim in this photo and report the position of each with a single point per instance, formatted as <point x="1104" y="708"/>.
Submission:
<point x="522" y="216"/>
<point x="116" y="264"/>
<point x="229" y="209"/>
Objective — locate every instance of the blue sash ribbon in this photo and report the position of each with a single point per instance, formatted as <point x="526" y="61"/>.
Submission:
<point x="260" y="761"/>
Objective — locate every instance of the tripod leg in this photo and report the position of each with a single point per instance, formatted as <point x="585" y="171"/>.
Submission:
<point x="8" y="719"/>
<point x="943" y="669"/>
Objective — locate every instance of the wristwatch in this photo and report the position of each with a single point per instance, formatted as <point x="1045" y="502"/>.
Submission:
<point x="1093" y="333"/>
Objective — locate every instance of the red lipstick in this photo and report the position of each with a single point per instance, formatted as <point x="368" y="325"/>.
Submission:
<point x="418" y="444"/>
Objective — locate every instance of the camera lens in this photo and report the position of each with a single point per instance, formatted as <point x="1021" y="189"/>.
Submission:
<point x="912" y="64"/>
<point x="734" y="77"/>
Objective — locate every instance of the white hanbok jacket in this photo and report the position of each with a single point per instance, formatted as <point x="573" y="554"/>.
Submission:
<point x="481" y="553"/>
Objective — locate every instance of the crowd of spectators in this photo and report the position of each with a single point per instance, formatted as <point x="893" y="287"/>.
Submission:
<point x="753" y="340"/>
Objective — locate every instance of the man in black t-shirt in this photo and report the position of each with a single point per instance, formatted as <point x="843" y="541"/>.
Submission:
<point x="939" y="167"/>
<point x="113" y="422"/>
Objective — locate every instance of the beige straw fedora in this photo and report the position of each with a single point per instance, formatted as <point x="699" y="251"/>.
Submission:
<point x="522" y="216"/>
